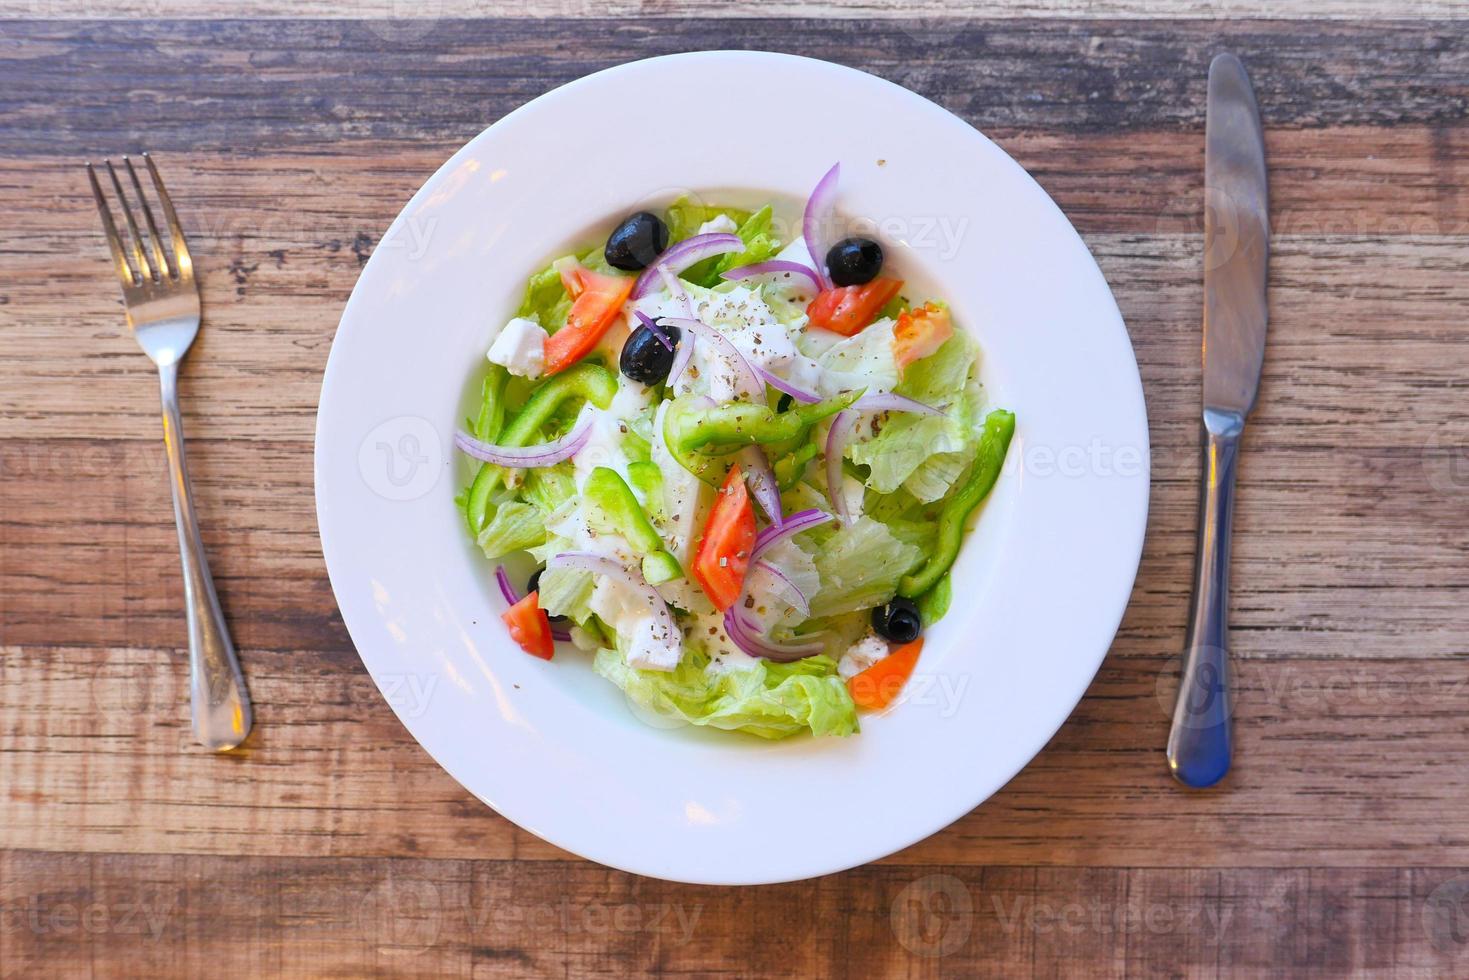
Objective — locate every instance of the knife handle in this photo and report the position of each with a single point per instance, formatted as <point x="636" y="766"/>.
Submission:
<point x="1198" y="745"/>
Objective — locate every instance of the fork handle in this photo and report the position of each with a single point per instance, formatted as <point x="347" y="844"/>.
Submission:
<point x="220" y="703"/>
<point x="1199" y="744"/>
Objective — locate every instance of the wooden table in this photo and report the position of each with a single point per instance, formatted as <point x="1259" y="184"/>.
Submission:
<point x="333" y="845"/>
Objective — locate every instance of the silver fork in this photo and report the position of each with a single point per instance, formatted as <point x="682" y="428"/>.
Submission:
<point x="161" y="297"/>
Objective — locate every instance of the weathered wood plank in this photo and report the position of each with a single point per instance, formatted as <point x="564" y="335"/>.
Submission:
<point x="412" y="20"/>
<point x="67" y="87"/>
<point x="175" y="915"/>
<point x="1340" y="763"/>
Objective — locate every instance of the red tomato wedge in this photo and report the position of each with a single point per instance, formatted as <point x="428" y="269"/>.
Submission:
<point x="877" y="686"/>
<point x="596" y="302"/>
<point x="847" y="309"/>
<point x="919" y="333"/>
<point x="530" y="627"/>
<point x="724" y="550"/>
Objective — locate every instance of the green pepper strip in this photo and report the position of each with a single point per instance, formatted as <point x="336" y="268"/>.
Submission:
<point x="789" y="469"/>
<point x="586" y="380"/>
<point x="616" y="510"/>
<point x="999" y="426"/>
<point x="689" y="428"/>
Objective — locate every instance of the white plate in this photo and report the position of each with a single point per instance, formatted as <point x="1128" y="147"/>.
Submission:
<point x="1041" y="583"/>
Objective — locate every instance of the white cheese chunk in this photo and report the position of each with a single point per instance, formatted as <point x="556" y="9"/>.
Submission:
<point x="861" y="655"/>
<point x="520" y="348"/>
<point x="719" y="223"/>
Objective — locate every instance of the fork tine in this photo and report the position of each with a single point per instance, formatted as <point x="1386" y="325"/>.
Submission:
<point x="135" y="240"/>
<point x="180" y="247"/>
<point x="114" y="244"/>
<point x="159" y="260"/>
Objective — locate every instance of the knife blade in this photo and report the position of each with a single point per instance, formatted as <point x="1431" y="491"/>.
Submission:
<point x="1236" y="240"/>
<point x="1236" y="251"/>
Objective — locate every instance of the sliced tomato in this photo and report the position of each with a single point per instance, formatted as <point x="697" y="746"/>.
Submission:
<point x="847" y="309"/>
<point x="919" y="333"/>
<point x="877" y="686"/>
<point x="729" y="537"/>
<point x="530" y="627"/>
<point x="596" y="302"/>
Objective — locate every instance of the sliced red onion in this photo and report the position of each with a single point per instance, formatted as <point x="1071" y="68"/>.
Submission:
<point x="804" y="605"/>
<point x="506" y="589"/>
<point x="676" y="289"/>
<point x="782" y="385"/>
<point x="586" y="561"/>
<point x="654" y="329"/>
<point x="843" y="427"/>
<point x="761" y="480"/>
<point x="687" y="252"/>
<point x="747" y="637"/>
<point x="777" y="267"/>
<point x="889" y="402"/>
<point x="819" y="208"/>
<point x="524" y="457"/>
<point x="512" y="597"/>
<point x="750" y="383"/>
<point x="795" y="524"/>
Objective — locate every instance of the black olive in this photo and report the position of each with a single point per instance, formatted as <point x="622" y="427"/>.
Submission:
<point x="784" y="402"/>
<point x="853" y="261"/>
<point x="645" y="358"/>
<point x="534" y="585"/>
<point x="898" y="621"/>
<point x="635" y="243"/>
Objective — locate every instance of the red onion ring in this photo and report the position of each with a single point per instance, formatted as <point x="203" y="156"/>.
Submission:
<point x="785" y="387"/>
<point x="675" y="288"/>
<point x="523" y="457"/>
<point x="750" y="383"/>
<point x="654" y="329"/>
<point x="760" y="478"/>
<point x="748" y="638"/>
<point x="598" y="565"/>
<point x="843" y="427"/>
<point x="889" y="402"/>
<point x="512" y="597"/>
<point x="818" y="214"/>
<point x="804" y="607"/>
<point x="775" y="267"/>
<point x="687" y="252"/>
<point x="793" y="525"/>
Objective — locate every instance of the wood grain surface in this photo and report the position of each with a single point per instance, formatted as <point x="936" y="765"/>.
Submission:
<point x="333" y="846"/>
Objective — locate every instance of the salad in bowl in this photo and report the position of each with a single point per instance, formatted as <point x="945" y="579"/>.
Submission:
<point x="741" y="462"/>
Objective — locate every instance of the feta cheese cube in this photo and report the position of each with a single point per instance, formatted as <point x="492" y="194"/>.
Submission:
<point x="861" y="655"/>
<point x="718" y="223"/>
<point x="520" y="348"/>
<point x="650" y="648"/>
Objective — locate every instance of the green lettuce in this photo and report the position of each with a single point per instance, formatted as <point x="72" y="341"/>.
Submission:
<point x="515" y="527"/>
<point x="767" y="699"/>
<point x="864" y="360"/>
<point x="860" y="566"/>
<point x="924" y="454"/>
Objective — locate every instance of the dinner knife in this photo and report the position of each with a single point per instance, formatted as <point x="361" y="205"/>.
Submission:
<point x="1236" y="252"/>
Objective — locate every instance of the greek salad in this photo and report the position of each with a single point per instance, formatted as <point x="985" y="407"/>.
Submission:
<point x="742" y="462"/>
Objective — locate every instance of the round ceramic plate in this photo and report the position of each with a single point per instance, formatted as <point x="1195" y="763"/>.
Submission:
<point x="1039" y="588"/>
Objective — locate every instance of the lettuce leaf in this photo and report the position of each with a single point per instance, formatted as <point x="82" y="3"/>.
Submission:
<point x="924" y="454"/>
<point x="864" y="360"/>
<point x="860" y="566"/>
<point x="516" y="526"/>
<point x="766" y="699"/>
